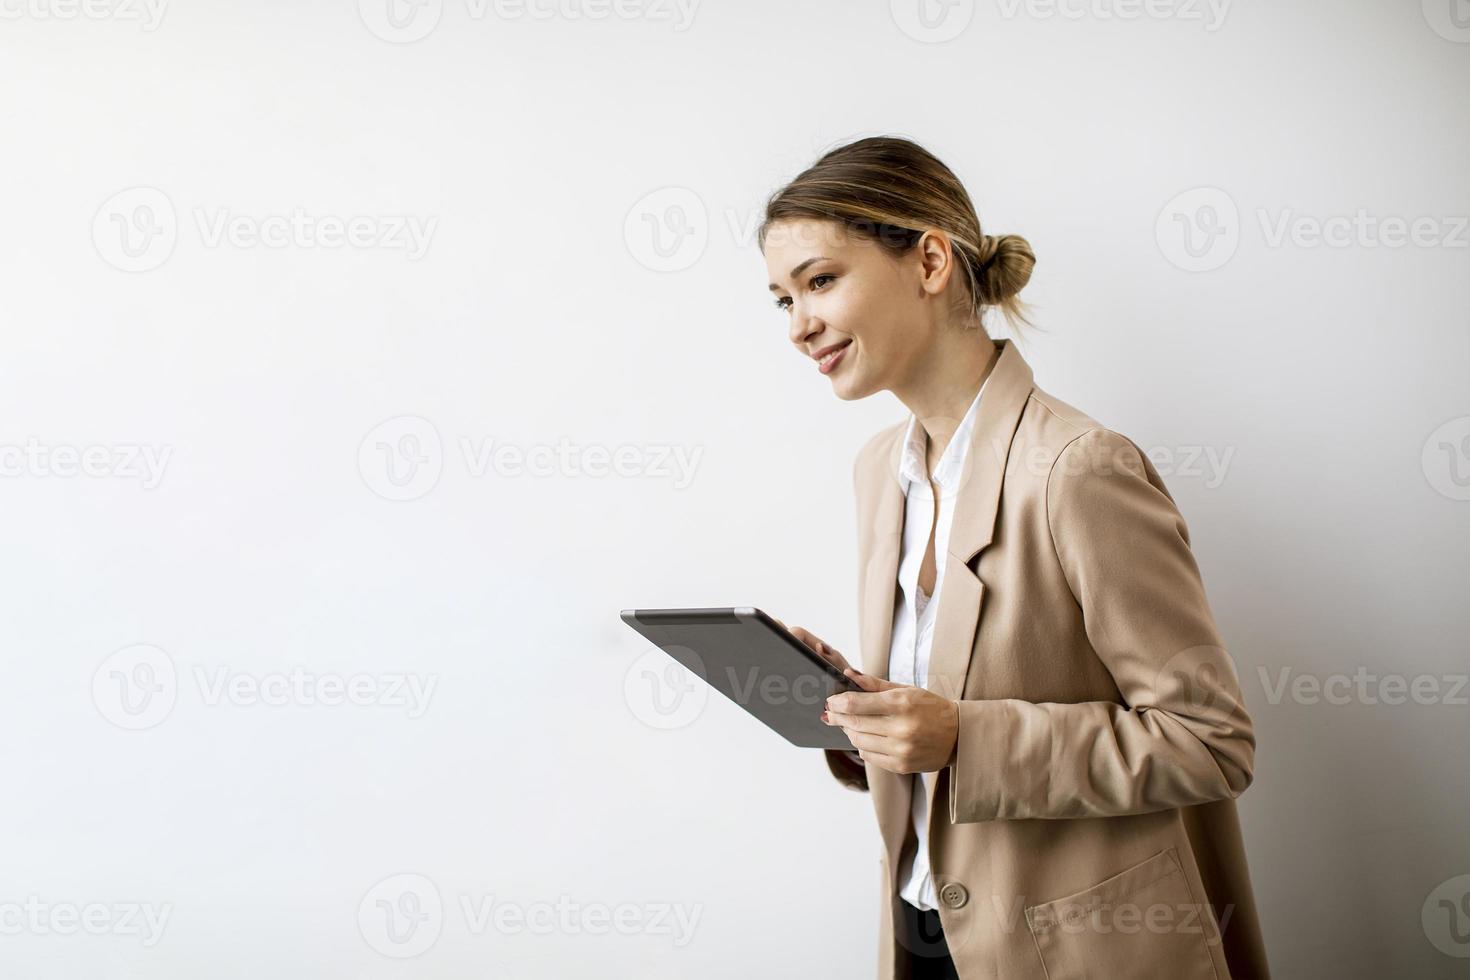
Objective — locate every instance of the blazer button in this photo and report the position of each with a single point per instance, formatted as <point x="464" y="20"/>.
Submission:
<point x="954" y="895"/>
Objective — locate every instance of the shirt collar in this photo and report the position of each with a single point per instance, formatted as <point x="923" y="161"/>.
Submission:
<point x="951" y="464"/>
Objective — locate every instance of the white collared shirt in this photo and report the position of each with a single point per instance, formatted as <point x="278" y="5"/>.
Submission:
<point x="914" y="613"/>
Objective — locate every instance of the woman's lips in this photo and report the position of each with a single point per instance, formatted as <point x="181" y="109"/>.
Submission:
<point x="830" y="364"/>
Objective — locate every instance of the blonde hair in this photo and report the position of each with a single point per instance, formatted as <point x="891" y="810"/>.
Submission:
<point x="889" y="189"/>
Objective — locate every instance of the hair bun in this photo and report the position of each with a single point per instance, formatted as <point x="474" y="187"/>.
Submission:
<point x="988" y="246"/>
<point x="1005" y="265"/>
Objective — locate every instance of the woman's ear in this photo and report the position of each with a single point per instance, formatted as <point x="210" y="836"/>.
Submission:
<point x="936" y="261"/>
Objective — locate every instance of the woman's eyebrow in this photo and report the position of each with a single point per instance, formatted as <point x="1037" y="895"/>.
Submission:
<point x="802" y="265"/>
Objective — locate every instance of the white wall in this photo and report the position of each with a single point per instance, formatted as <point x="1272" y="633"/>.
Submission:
<point x="535" y="307"/>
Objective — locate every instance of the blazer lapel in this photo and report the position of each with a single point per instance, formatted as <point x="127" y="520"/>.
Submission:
<point x="880" y="569"/>
<point x="976" y="502"/>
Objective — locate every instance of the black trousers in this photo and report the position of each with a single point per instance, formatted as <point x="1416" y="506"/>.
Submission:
<point x="921" y="936"/>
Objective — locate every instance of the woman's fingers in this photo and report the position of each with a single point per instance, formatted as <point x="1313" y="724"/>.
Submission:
<point x="816" y="645"/>
<point x="833" y="657"/>
<point x="813" y="644"/>
<point x="866" y="741"/>
<point x="819" y="647"/>
<point x="862" y="715"/>
<point x="857" y="724"/>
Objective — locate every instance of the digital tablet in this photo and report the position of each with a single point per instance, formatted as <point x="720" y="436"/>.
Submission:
<point x="754" y="661"/>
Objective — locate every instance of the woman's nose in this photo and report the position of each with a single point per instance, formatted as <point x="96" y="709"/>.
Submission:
<point x="802" y="327"/>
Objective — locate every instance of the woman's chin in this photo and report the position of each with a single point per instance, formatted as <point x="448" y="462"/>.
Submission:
<point x="845" y="381"/>
<point x="847" y="390"/>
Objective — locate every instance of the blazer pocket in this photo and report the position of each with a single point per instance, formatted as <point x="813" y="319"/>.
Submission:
<point x="1142" y="923"/>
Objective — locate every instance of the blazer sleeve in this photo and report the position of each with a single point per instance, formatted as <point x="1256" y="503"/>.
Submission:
<point x="1181" y="735"/>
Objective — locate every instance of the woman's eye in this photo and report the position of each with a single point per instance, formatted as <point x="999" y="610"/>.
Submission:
<point x="782" y="302"/>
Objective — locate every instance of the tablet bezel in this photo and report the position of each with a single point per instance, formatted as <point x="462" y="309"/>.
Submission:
<point x="797" y="730"/>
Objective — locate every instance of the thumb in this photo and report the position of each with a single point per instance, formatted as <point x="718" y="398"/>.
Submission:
<point x="868" y="682"/>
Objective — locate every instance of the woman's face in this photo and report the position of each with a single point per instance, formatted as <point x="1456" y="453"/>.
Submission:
<point x="837" y="288"/>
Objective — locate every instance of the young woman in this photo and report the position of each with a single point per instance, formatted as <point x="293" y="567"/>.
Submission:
<point x="1049" y="725"/>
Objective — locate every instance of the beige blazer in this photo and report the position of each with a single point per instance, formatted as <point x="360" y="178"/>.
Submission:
<point x="1087" y="827"/>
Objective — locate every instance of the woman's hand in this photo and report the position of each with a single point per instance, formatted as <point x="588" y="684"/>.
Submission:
<point x="896" y="727"/>
<point x="818" y="647"/>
